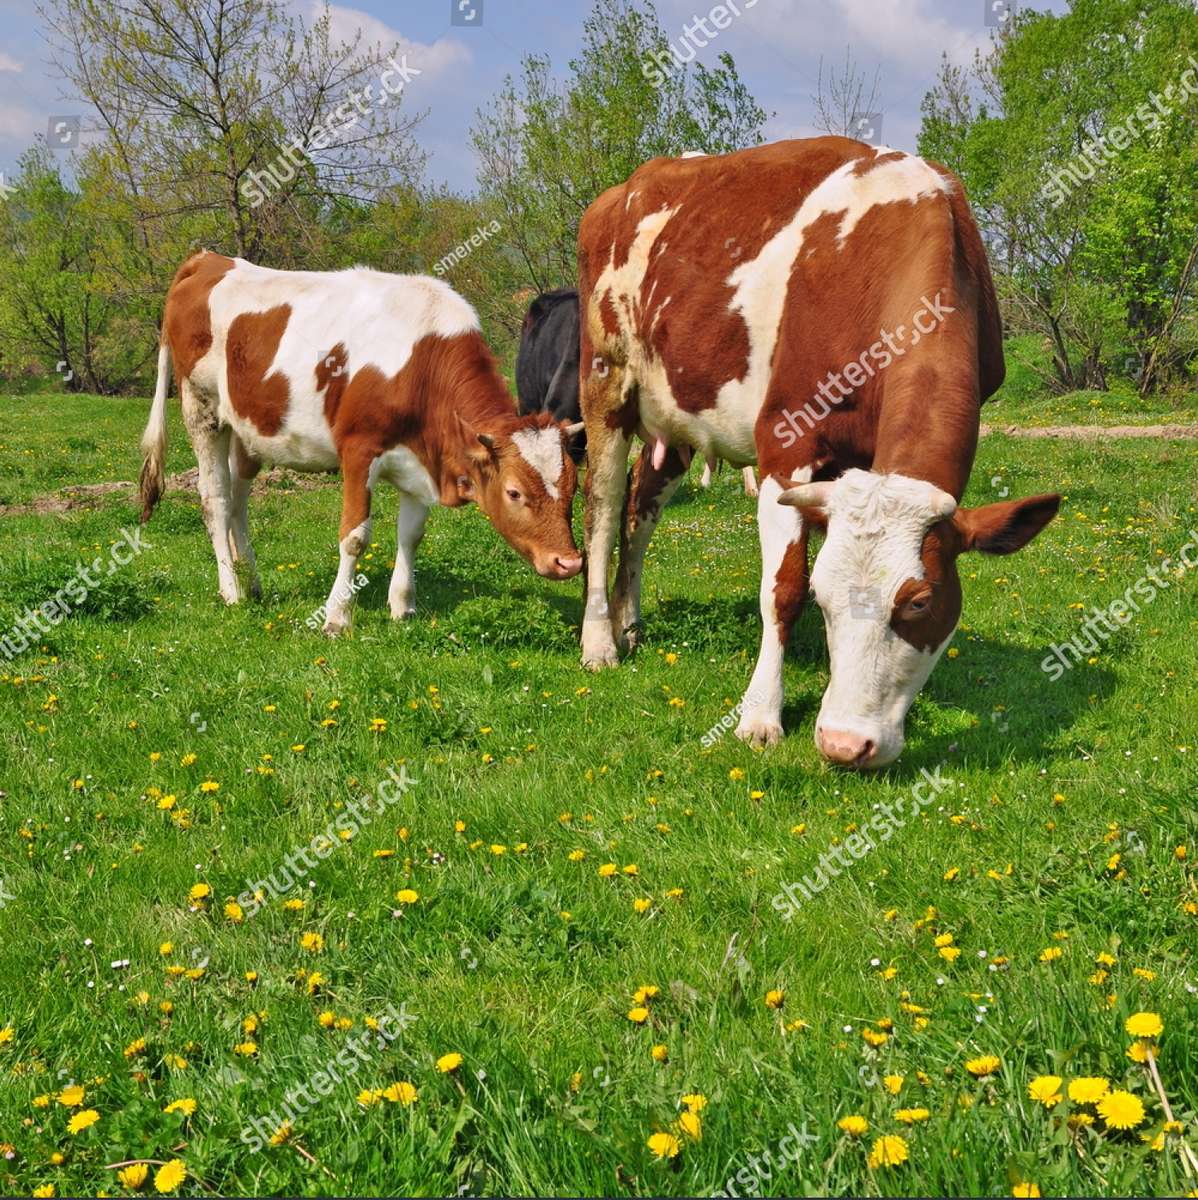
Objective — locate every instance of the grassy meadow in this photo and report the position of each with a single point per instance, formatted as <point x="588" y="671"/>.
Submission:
<point x="573" y="906"/>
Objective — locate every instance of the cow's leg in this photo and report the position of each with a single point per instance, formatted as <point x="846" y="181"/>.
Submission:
<point x="355" y="534"/>
<point x="607" y="467"/>
<point x="649" y="493"/>
<point x="783" y="590"/>
<point x="401" y="595"/>
<point x="210" y="440"/>
<point x="243" y="467"/>
<point x="750" y="477"/>
<point x="708" y="472"/>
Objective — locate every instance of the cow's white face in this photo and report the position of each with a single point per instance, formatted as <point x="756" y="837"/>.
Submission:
<point x="886" y="582"/>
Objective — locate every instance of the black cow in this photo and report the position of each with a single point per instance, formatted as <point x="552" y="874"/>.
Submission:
<point x="547" y="364"/>
<point x="547" y="369"/>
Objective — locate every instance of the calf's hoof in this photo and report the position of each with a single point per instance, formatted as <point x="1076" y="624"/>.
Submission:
<point x="759" y="731"/>
<point x="335" y="627"/>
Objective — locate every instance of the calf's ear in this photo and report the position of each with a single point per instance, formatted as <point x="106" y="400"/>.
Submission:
<point x="1007" y="526"/>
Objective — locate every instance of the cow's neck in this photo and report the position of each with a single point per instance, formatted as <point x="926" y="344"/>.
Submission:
<point x="462" y="382"/>
<point x="934" y="441"/>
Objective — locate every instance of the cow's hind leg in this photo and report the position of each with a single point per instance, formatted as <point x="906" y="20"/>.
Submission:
<point x="606" y="480"/>
<point x="401" y="595"/>
<point x="649" y="493"/>
<point x="243" y="467"/>
<point x="210" y="440"/>
<point x="750" y="477"/>
<point x="783" y="590"/>
<point x="355" y="534"/>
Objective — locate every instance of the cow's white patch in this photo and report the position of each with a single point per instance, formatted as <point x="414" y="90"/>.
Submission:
<point x="400" y="467"/>
<point x="542" y="450"/>
<point x="876" y="527"/>
<point x="761" y="284"/>
<point x="376" y="316"/>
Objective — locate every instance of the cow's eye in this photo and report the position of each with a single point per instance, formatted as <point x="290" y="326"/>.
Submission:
<point x="513" y="494"/>
<point x="917" y="606"/>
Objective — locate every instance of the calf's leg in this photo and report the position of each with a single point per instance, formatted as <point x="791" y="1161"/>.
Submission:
<point x="401" y="595"/>
<point x="355" y="535"/>
<point x="243" y="467"/>
<point x="210" y="440"/>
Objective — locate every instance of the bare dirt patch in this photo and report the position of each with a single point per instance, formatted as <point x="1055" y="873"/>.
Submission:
<point x="1096" y="433"/>
<point x="88" y="495"/>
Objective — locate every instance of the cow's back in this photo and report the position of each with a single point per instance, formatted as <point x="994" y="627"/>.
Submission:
<point x="733" y="285"/>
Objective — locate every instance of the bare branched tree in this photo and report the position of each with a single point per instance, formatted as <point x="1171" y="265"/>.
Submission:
<point x="842" y="100"/>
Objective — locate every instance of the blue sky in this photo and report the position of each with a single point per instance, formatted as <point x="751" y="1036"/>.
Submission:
<point x="776" y="43"/>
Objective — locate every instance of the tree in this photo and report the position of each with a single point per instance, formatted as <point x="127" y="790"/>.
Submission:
<point x="840" y="100"/>
<point x="547" y="148"/>
<point x="1078" y="145"/>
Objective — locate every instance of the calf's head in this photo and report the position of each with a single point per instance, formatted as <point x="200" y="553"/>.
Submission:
<point x="886" y="581"/>
<point x="524" y="480"/>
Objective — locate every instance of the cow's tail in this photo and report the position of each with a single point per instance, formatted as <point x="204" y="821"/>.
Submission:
<point x="153" y="440"/>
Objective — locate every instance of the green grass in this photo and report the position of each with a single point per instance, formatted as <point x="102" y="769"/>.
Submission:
<point x="485" y="704"/>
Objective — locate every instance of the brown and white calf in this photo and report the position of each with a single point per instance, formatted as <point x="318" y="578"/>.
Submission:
<point x="823" y="308"/>
<point x="383" y="376"/>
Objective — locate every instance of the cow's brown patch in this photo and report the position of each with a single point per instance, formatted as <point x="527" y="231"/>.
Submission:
<point x="790" y="585"/>
<point x="186" y="319"/>
<point x="628" y="415"/>
<point x="250" y="349"/>
<point x="332" y="374"/>
<point x="939" y="589"/>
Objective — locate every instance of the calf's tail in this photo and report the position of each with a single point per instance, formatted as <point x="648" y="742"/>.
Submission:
<point x="153" y="440"/>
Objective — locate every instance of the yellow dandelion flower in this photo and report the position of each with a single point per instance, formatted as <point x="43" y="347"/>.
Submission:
<point x="400" y="1093"/>
<point x="691" y="1124"/>
<point x="1121" y="1110"/>
<point x="1025" y="1189"/>
<point x="82" y="1120"/>
<point x="912" y="1116"/>
<point x="133" y="1176"/>
<point x="660" y="1053"/>
<point x="854" y="1125"/>
<point x="892" y="1083"/>
<point x="169" y="1176"/>
<point x="1144" y="1025"/>
<point x="638" y="1015"/>
<point x="775" y="998"/>
<point x="312" y="942"/>
<point x="984" y="1066"/>
<point x="888" y="1151"/>
<point x="694" y="1102"/>
<point x="71" y="1097"/>
<point x="608" y="870"/>
<point x="449" y="1062"/>
<point x="1088" y="1089"/>
<point x="186" y="1106"/>
<point x="1045" y="1089"/>
<point x="664" y="1145"/>
<point x="407" y="896"/>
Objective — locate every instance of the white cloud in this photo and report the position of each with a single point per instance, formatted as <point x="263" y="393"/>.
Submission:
<point x="8" y="63"/>
<point x="430" y="60"/>
<point x="20" y="123"/>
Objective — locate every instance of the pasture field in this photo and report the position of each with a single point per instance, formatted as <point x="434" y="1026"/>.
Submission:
<point x="570" y="840"/>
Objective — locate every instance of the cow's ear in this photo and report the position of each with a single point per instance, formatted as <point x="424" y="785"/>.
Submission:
<point x="1007" y="526"/>
<point x="478" y="447"/>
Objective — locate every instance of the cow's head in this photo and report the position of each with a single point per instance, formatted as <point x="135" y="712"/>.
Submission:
<point x="524" y="480"/>
<point x="886" y="581"/>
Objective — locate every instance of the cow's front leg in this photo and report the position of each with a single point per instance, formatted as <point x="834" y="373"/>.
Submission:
<point x="607" y="465"/>
<point x="401" y="595"/>
<point x="650" y="492"/>
<point x="355" y="534"/>
<point x="783" y="590"/>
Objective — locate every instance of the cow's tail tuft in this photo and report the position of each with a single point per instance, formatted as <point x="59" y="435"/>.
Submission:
<point x="153" y="441"/>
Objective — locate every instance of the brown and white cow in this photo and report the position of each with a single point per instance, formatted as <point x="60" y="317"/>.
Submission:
<point x="824" y="308"/>
<point x="384" y="376"/>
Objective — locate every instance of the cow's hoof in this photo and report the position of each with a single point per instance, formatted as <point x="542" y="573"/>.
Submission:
<point x="629" y="638"/>
<point x="256" y="590"/>
<point x="600" y="657"/>
<point x="403" y="612"/>
<point x="335" y="628"/>
<point x="759" y="731"/>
